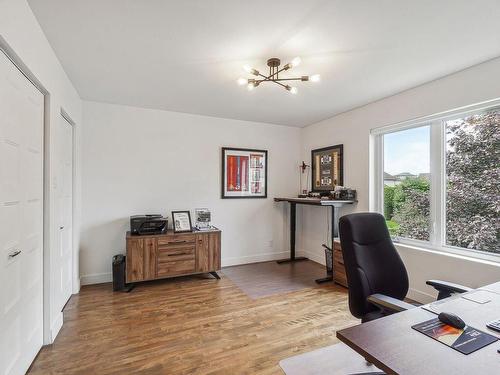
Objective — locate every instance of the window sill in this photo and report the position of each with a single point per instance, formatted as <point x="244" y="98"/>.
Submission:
<point x="486" y="259"/>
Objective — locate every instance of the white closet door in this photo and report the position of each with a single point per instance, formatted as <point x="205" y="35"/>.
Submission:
<point x="64" y="194"/>
<point x="21" y="220"/>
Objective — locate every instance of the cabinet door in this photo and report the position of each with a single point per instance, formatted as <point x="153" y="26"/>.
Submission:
<point x="208" y="252"/>
<point x="150" y="256"/>
<point x="214" y="252"/>
<point x="135" y="259"/>
<point x="202" y="264"/>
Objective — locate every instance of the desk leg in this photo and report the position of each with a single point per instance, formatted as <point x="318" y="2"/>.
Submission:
<point x="335" y="223"/>
<point x="335" y="233"/>
<point x="292" y="258"/>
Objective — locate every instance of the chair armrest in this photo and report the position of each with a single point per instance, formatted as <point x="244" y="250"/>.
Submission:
<point x="389" y="304"/>
<point x="446" y="289"/>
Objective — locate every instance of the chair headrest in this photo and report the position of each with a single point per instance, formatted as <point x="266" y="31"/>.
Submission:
<point x="364" y="227"/>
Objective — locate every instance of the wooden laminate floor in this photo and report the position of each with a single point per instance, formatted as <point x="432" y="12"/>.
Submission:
<point x="191" y="325"/>
<point x="270" y="278"/>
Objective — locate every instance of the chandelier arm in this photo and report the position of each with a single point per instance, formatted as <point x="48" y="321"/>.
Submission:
<point x="282" y="85"/>
<point x="288" y="79"/>
<point x="270" y="77"/>
<point x="277" y="80"/>
<point x="265" y="78"/>
<point x="279" y="71"/>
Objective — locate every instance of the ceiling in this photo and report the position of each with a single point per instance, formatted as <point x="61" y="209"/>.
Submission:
<point x="186" y="55"/>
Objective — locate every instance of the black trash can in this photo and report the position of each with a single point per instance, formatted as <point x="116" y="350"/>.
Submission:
<point x="328" y="260"/>
<point x="329" y="265"/>
<point x="119" y="272"/>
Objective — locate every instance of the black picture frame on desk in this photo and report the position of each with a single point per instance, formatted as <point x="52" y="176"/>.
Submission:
<point x="327" y="168"/>
<point x="243" y="173"/>
<point x="180" y="221"/>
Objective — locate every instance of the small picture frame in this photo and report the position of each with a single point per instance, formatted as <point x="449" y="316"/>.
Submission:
<point x="181" y="221"/>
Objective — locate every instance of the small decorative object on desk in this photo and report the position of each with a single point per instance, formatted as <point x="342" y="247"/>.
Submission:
<point x="313" y="195"/>
<point x="182" y="221"/>
<point x="202" y="217"/>
<point x="343" y="193"/>
<point x="304" y="169"/>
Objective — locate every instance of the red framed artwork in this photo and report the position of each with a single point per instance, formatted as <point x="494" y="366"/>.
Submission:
<point x="244" y="173"/>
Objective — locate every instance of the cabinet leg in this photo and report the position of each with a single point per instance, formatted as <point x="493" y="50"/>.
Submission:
<point x="214" y="274"/>
<point x="128" y="287"/>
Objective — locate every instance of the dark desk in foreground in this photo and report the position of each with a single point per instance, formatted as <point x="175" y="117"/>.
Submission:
<point x="393" y="346"/>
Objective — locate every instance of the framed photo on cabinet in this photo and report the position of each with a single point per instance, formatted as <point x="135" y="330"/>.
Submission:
<point x="244" y="173"/>
<point x="181" y="221"/>
<point x="327" y="168"/>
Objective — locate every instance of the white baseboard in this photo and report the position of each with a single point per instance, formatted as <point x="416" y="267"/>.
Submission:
<point x="314" y="256"/>
<point x="96" y="278"/>
<point x="76" y="285"/>
<point x="99" y="278"/>
<point x="56" y="326"/>
<point x="236" y="261"/>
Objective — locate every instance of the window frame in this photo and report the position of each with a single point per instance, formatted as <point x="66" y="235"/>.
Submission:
<point x="437" y="157"/>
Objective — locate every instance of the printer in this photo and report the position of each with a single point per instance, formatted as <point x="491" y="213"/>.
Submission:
<point x="148" y="224"/>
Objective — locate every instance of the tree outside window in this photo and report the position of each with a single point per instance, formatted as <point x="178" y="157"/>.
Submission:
<point x="407" y="183"/>
<point x="473" y="184"/>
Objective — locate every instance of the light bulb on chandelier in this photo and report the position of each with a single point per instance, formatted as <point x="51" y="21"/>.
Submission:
<point x="242" y="81"/>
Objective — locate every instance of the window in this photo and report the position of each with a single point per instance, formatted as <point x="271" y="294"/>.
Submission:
<point x="436" y="180"/>
<point x="472" y="181"/>
<point x="407" y="183"/>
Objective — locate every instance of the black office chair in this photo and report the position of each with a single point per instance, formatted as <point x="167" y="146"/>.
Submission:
<point x="376" y="275"/>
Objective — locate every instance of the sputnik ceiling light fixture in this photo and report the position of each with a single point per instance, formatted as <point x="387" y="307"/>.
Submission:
<point x="274" y="75"/>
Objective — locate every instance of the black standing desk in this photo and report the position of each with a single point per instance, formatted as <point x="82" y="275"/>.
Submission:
<point x="334" y="204"/>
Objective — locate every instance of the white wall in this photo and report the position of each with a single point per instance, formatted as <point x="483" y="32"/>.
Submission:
<point x="22" y="37"/>
<point x="473" y="85"/>
<point x="138" y="161"/>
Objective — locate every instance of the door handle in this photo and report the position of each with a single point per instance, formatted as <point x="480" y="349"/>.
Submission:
<point x="14" y="254"/>
<point x="61" y="228"/>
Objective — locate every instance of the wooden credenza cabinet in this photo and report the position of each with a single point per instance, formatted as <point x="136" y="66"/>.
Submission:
<point x="151" y="257"/>
<point x="339" y="275"/>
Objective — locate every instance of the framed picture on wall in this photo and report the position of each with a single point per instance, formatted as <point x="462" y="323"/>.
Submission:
<point x="181" y="221"/>
<point x="327" y="168"/>
<point x="244" y="173"/>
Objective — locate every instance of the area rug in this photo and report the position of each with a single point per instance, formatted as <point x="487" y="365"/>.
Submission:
<point x="265" y="279"/>
<point x="336" y="359"/>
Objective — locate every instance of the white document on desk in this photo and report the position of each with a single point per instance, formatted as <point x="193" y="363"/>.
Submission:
<point x="441" y="305"/>
<point x="475" y="297"/>
<point x="478" y="296"/>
